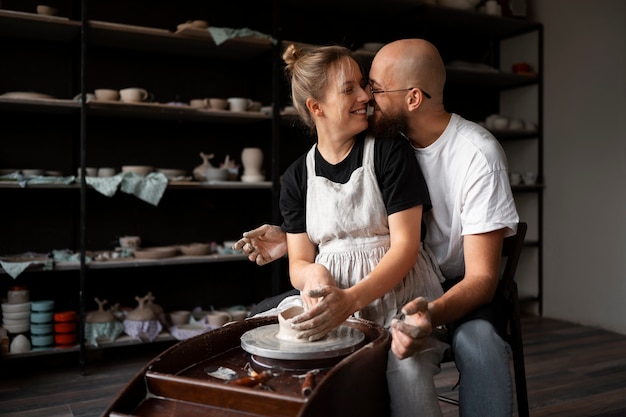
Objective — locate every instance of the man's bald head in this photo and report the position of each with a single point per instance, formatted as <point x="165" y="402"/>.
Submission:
<point x="414" y="62"/>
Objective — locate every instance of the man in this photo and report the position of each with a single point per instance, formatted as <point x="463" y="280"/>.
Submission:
<point x="473" y="210"/>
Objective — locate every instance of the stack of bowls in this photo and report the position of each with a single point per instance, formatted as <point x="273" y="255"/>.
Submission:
<point x="65" y="329"/>
<point x="41" y="327"/>
<point x="16" y="311"/>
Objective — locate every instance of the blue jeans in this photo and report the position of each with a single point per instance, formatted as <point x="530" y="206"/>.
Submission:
<point x="482" y="358"/>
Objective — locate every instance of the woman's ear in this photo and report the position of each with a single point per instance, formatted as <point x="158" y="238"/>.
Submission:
<point x="314" y="107"/>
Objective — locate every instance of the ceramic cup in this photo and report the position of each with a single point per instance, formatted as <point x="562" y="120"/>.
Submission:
<point x="218" y="318"/>
<point x="515" y="178"/>
<point x="106" y="172"/>
<point x="107" y="94"/>
<point x="130" y="241"/>
<point x="529" y="178"/>
<point x="90" y="171"/>
<point x="200" y="103"/>
<point x="256" y="106"/>
<point x="47" y="10"/>
<point x="133" y="95"/>
<point x="239" y="104"/>
<point x="180" y="317"/>
<point x="218" y="103"/>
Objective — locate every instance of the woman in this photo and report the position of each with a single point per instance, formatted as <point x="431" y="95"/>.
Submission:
<point x="351" y="206"/>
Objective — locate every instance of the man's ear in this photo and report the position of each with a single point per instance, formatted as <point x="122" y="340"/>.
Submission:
<point x="415" y="99"/>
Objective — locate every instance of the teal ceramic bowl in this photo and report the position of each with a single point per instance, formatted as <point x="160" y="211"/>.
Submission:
<point x="39" y="329"/>
<point x="41" y="317"/>
<point x="42" y="305"/>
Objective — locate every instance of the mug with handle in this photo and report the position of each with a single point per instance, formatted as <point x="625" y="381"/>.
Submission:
<point x="239" y="103"/>
<point x="133" y="95"/>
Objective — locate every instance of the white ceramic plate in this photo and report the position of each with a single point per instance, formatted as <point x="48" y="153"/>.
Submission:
<point x="26" y="95"/>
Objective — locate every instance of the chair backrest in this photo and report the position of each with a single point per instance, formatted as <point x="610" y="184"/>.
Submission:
<point x="511" y="250"/>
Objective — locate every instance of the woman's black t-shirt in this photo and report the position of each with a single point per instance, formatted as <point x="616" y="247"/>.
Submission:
<point x="398" y="174"/>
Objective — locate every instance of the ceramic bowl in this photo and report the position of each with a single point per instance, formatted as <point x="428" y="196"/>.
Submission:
<point x="32" y="172"/>
<point x="19" y="328"/>
<point x="172" y="173"/>
<point x="14" y="308"/>
<point x="16" y="322"/>
<point x="41" y="340"/>
<point x="17" y="315"/>
<point x="41" y="317"/>
<point x="156" y="252"/>
<point x="196" y="249"/>
<point x="65" y="316"/>
<point x="41" y="328"/>
<point x="216" y="174"/>
<point x="42" y="305"/>
<point x="64" y="338"/>
<point x="18" y="295"/>
<point x="67" y="327"/>
<point x="142" y="170"/>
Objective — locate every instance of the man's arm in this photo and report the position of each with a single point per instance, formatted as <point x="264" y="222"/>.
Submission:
<point x="482" y="254"/>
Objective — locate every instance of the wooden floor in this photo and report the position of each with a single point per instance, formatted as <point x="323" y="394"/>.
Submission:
<point x="571" y="371"/>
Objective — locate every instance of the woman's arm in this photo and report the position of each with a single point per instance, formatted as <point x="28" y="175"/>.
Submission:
<point x="336" y="305"/>
<point x="305" y="274"/>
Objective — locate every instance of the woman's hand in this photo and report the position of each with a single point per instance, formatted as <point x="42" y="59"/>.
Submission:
<point x="334" y="306"/>
<point x="264" y="244"/>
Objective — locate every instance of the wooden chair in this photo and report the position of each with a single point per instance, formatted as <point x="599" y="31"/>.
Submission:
<point x="511" y="250"/>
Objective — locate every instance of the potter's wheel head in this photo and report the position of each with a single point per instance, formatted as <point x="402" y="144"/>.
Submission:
<point x="262" y="341"/>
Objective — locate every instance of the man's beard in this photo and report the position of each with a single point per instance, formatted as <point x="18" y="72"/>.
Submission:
<point x="388" y="125"/>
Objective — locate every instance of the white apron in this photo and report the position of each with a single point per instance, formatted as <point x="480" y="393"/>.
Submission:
<point x="348" y="222"/>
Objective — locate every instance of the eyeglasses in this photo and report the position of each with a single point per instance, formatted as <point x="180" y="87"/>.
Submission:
<point x="373" y="91"/>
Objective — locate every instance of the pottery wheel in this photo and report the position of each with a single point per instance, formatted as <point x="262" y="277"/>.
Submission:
<point x="262" y="341"/>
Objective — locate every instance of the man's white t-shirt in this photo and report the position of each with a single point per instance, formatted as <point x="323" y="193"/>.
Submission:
<point x="466" y="173"/>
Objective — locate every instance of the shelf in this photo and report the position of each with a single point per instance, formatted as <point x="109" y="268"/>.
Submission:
<point x="136" y="263"/>
<point x="175" y="185"/>
<point x="510" y="135"/>
<point x="438" y="18"/>
<point x="522" y="188"/>
<point x="496" y="79"/>
<point x="173" y="112"/>
<point x="35" y="26"/>
<point x="53" y="106"/>
<point x="123" y="340"/>
<point x="118" y="35"/>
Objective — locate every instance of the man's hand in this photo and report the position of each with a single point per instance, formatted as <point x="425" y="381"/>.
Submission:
<point x="264" y="244"/>
<point x="412" y="335"/>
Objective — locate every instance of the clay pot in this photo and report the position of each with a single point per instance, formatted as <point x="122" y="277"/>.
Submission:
<point x="142" y="312"/>
<point x="100" y="316"/>
<point x="285" y="332"/>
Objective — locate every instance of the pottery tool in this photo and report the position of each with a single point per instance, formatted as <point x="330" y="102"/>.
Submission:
<point x="255" y="378"/>
<point x="308" y="382"/>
